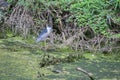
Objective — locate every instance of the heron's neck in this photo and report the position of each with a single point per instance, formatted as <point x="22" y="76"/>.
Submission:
<point x="48" y="29"/>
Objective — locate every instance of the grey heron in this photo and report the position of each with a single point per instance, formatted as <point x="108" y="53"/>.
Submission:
<point x="44" y="34"/>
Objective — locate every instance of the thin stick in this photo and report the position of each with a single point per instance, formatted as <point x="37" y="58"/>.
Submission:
<point x="90" y="75"/>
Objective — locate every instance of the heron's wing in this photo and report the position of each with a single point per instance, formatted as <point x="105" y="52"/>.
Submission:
<point x="42" y="32"/>
<point x="42" y="35"/>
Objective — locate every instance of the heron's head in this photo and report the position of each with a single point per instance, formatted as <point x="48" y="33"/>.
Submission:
<point x="49" y="28"/>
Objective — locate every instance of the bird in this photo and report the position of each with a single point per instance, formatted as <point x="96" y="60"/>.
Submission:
<point x="44" y="34"/>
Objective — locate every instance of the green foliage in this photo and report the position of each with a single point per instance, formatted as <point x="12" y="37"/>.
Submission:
<point x="115" y="4"/>
<point x="115" y="36"/>
<point x="90" y="13"/>
<point x="83" y="12"/>
<point x="10" y="1"/>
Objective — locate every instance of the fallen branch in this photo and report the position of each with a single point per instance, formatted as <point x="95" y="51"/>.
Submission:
<point x="90" y="75"/>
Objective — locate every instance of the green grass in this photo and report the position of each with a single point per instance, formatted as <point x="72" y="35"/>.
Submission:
<point x="19" y="60"/>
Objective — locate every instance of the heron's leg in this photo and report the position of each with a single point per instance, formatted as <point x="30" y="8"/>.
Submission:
<point x="45" y="45"/>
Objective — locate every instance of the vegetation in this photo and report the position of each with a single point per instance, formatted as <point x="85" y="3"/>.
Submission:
<point x="85" y="36"/>
<point x="70" y="19"/>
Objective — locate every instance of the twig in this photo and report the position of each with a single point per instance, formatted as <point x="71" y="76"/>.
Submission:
<point x="90" y="75"/>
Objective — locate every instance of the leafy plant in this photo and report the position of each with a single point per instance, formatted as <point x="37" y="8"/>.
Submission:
<point x="90" y="13"/>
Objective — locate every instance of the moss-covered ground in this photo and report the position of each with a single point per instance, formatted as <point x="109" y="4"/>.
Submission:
<point x="19" y="60"/>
